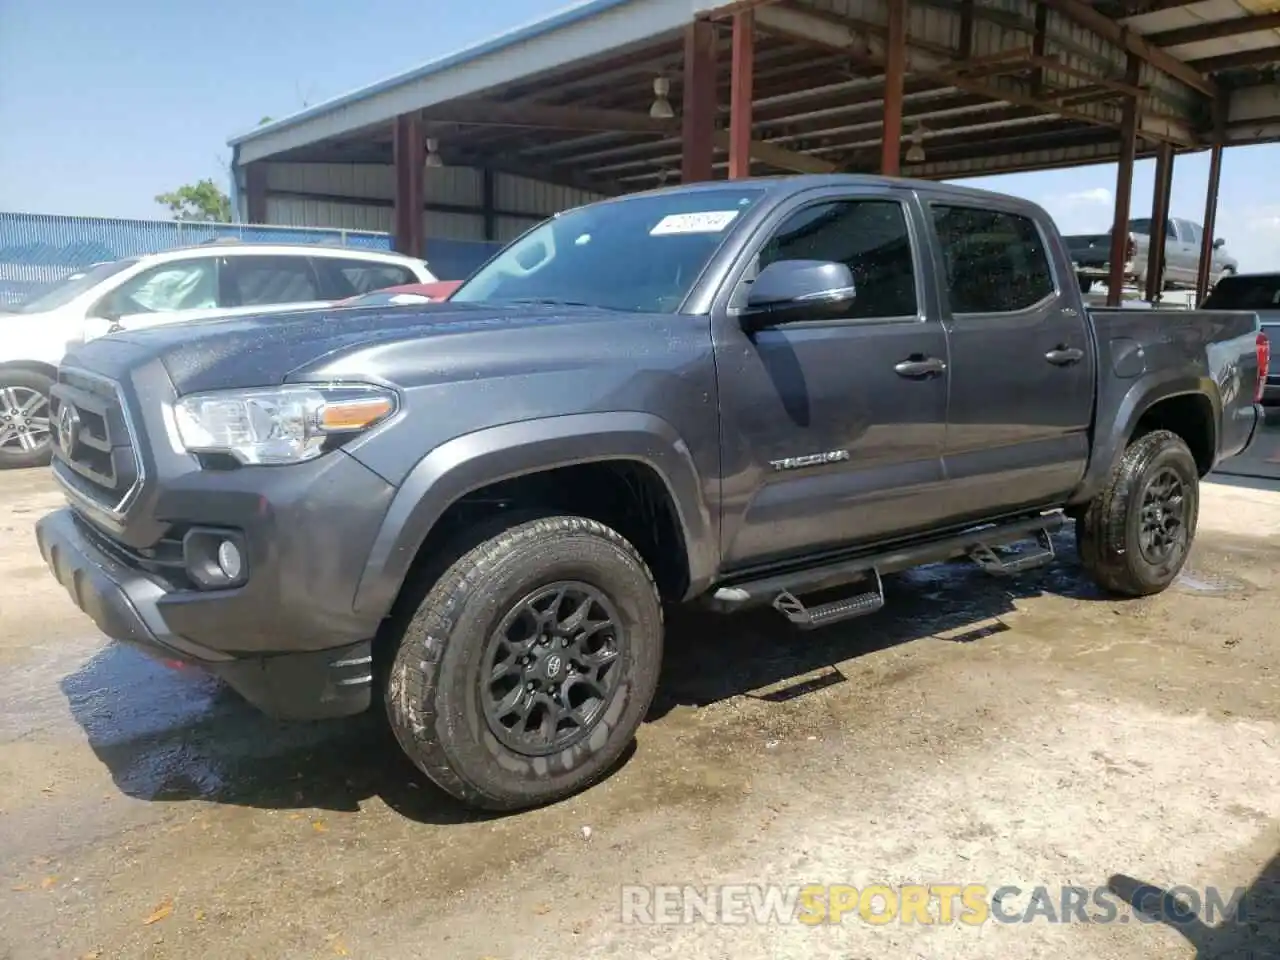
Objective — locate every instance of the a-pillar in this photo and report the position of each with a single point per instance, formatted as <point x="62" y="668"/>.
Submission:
<point x="1124" y="186"/>
<point x="1159" y="236"/>
<point x="741" y="86"/>
<point x="409" y="152"/>
<point x="1203" y="274"/>
<point x="895" y="68"/>
<point x="698" y="115"/>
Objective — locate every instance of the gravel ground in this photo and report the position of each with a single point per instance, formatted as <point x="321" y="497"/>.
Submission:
<point x="1024" y="733"/>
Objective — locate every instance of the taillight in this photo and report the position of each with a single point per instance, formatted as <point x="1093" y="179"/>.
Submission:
<point x="1130" y="248"/>
<point x="1264" y="364"/>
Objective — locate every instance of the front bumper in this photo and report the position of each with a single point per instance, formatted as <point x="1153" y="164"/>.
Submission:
<point x="126" y="604"/>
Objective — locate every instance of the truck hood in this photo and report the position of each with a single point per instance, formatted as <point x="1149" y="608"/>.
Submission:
<point x="268" y="349"/>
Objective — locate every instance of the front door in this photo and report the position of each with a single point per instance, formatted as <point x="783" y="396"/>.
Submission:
<point x="1022" y="377"/>
<point x="828" y="437"/>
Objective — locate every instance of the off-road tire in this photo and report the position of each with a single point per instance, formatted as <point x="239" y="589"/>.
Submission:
<point x="15" y="459"/>
<point x="1107" y="533"/>
<point x="433" y="691"/>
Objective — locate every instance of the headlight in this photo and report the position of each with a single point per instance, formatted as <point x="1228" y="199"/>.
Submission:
<point x="286" y="424"/>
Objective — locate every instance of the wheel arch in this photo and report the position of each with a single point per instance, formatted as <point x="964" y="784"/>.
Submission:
<point x="501" y="454"/>
<point x="1190" y="405"/>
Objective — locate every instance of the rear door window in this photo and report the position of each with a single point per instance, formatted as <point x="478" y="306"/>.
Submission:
<point x="996" y="262"/>
<point x="259" y="281"/>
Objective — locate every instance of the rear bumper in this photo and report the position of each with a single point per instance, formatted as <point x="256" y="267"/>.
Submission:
<point x="127" y="605"/>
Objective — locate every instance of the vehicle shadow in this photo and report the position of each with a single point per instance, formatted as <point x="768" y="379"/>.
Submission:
<point x="175" y="735"/>
<point x="1250" y="931"/>
<point x="710" y="658"/>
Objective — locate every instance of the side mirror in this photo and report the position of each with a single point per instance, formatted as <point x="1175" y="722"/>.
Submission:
<point x="789" y="290"/>
<point x="1219" y="243"/>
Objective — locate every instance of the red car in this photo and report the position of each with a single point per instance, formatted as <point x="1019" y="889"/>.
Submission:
<point x="405" y="293"/>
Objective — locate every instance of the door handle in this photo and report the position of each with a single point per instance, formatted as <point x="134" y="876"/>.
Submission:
<point x="918" y="367"/>
<point x="1064" y="356"/>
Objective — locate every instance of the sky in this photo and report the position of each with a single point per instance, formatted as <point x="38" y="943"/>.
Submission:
<point x="105" y="105"/>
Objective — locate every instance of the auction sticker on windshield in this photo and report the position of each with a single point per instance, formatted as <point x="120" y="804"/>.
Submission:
<point x="710" y="221"/>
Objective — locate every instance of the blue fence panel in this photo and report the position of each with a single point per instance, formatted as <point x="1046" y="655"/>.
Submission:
<point x="39" y="249"/>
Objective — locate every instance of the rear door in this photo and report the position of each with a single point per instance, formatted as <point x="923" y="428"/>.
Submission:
<point x="1184" y="253"/>
<point x="824" y="442"/>
<point x="256" y="283"/>
<point x="1022" y="360"/>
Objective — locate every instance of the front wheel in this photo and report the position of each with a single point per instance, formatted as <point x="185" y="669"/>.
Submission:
<point x="1135" y="535"/>
<point x="529" y="664"/>
<point x="25" y="439"/>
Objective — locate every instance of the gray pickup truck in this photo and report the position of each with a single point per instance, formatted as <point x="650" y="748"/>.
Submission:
<point x="769" y="392"/>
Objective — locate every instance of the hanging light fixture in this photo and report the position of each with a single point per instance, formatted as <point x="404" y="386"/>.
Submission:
<point x="433" y="153"/>
<point x="661" y="109"/>
<point x="915" y="152"/>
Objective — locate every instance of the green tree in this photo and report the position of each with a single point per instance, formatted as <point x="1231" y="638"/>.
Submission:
<point x="198" y="201"/>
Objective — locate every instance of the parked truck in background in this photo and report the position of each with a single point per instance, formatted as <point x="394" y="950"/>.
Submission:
<point x="1257" y="293"/>
<point x="1091" y="254"/>
<point x="770" y="392"/>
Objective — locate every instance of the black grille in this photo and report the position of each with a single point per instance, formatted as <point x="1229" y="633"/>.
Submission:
<point x="93" y="448"/>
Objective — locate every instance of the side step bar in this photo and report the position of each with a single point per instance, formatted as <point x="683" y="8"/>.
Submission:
<point x="810" y="618"/>
<point x="780" y="589"/>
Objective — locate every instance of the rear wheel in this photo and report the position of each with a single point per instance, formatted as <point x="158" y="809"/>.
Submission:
<point x="25" y="438"/>
<point x="1135" y="535"/>
<point x="529" y="664"/>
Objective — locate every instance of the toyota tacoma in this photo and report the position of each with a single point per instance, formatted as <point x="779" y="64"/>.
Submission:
<point x="769" y="392"/>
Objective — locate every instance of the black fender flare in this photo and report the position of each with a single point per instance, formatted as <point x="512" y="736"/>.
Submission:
<point x="475" y="460"/>
<point x="1110" y="441"/>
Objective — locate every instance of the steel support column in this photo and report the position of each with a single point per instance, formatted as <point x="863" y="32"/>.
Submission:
<point x="1124" y="185"/>
<point x="895" y="69"/>
<point x="741" y="85"/>
<point x="409" y="153"/>
<point x="697" y="132"/>
<point x="1205" y="271"/>
<point x="1159" y="222"/>
<point x="255" y="192"/>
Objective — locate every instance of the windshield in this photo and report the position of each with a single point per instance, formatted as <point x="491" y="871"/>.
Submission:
<point x="639" y="254"/>
<point x="69" y="287"/>
<point x="1245" y="293"/>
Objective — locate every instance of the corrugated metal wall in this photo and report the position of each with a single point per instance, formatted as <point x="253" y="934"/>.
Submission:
<point x="359" y="196"/>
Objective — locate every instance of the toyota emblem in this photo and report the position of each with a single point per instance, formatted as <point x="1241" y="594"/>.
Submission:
<point x="68" y="428"/>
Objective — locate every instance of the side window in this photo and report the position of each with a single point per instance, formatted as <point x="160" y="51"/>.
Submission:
<point x="181" y="285"/>
<point x="869" y="236"/>
<point x="263" y="281"/>
<point x="1193" y="232"/>
<point x="1173" y="230"/>
<point x="347" y="278"/>
<point x="996" y="262"/>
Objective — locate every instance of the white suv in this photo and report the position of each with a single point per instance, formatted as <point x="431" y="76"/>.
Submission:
<point x="213" y="280"/>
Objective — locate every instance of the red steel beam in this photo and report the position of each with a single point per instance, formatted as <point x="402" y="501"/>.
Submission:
<point x="895" y="69"/>
<point x="699" y="109"/>
<point x="741" y="84"/>
<point x="1124" y="185"/>
<point x="409" y="153"/>
<point x="1211" y="198"/>
<point x="1159" y="222"/>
